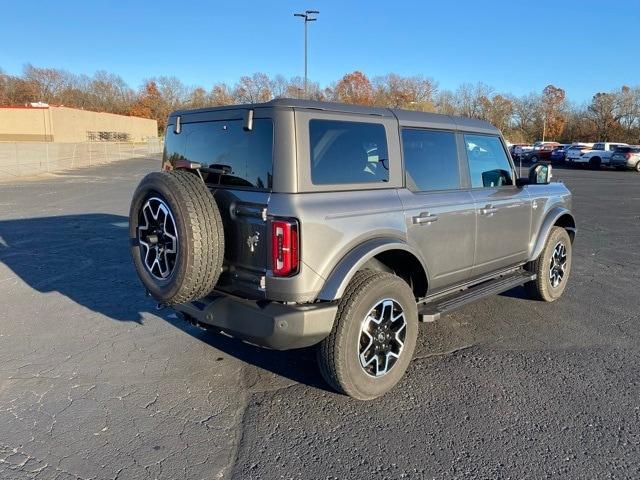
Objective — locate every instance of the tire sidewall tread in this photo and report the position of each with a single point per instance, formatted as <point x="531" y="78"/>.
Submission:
<point x="338" y="353"/>
<point x="200" y="236"/>
<point x="540" y="288"/>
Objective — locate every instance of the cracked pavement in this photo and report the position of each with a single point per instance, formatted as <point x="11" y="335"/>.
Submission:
<point x="96" y="383"/>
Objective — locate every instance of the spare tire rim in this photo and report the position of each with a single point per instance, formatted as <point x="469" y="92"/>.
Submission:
<point x="158" y="237"/>
<point x="382" y="336"/>
<point x="558" y="264"/>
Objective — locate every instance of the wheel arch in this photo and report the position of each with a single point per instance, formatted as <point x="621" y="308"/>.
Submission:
<point x="390" y="255"/>
<point x="557" y="217"/>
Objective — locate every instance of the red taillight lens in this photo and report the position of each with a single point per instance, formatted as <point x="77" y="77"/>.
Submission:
<point x="284" y="248"/>
<point x="627" y="156"/>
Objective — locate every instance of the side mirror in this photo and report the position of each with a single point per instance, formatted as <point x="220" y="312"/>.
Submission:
<point x="539" y="174"/>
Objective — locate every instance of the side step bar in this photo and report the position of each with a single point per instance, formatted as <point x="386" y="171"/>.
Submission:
<point x="432" y="310"/>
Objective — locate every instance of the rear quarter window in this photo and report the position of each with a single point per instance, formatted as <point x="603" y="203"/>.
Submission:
<point x="431" y="160"/>
<point x="348" y="152"/>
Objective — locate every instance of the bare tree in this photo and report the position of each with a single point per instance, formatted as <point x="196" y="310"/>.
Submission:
<point x="467" y="99"/>
<point x="609" y="115"/>
<point x="220" y="95"/>
<point x="445" y="102"/>
<point x="415" y="93"/>
<point x="253" y="89"/>
<point x="604" y="112"/>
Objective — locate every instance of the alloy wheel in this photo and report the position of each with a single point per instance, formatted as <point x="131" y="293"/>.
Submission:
<point x="382" y="337"/>
<point x="558" y="264"/>
<point x="158" y="237"/>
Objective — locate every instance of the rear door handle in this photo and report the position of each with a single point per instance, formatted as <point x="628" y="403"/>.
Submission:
<point x="488" y="210"/>
<point x="424" y="218"/>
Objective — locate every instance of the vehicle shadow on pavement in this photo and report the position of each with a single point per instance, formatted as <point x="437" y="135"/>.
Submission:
<point x="298" y="365"/>
<point x="84" y="257"/>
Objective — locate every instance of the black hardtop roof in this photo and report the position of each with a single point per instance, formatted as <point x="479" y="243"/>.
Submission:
<point x="409" y="118"/>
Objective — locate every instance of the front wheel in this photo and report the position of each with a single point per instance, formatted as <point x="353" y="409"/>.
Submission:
<point x="373" y="337"/>
<point x="552" y="267"/>
<point x="638" y="167"/>
<point x="595" y="163"/>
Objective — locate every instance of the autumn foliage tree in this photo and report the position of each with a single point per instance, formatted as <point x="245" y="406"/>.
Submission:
<point x="354" y="88"/>
<point x="413" y="93"/>
<point x="613" y="115"/>
<point x="150" y="104"/>
<point x="553" y="111"/>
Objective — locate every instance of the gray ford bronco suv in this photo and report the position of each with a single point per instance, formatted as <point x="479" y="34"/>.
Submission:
<point x="295" y="223"/>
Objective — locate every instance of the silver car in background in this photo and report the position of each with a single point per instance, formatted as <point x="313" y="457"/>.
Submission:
<point x="626" y="158"/>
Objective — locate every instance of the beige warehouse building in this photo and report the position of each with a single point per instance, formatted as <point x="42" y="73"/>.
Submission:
<point x="62" y="124"/>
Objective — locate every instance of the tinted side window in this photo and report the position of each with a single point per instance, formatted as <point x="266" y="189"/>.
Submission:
<point x="348" y="152"/>
<point x="430" y="159"/>
<point x="246" y="158"/>
<point x="488" y="162"/>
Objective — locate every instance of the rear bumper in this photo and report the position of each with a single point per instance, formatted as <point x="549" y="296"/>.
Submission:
<point x="268" y="324"/>
<point x="614" y="162"/>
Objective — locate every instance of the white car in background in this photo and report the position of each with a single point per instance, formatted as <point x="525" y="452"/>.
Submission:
<point x="600" y="154"/>
<point x="575" y="150"/>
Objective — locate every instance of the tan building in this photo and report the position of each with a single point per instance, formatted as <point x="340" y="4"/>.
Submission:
<point x="62" y="124"/>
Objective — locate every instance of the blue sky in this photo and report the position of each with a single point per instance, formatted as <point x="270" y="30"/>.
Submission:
<point x="516" y="47"/>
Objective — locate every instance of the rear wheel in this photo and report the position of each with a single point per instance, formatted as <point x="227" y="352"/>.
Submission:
<point x="638" y="167"/>
<point x="176" y="235"/>
<point x="552" y="267"/>
<point x="373" y="337"/>
<point x="595" y="163"/>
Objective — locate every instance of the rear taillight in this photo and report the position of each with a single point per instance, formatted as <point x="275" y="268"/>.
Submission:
<point x="284" y="247"/>
<point x="627" y="155"/>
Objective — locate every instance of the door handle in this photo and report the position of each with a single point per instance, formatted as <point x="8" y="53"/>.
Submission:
<point x="424" y="218"/>
<point x="488" y="210"/>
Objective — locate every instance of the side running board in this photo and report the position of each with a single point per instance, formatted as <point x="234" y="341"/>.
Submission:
<point x="431" y="311"/>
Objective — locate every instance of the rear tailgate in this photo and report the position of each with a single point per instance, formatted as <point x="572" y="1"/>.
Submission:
<point x="236" y="162"/>
<point x="246" y="240"/>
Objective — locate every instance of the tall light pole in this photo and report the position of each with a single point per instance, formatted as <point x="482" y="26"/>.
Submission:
<point x="308" y="16"/>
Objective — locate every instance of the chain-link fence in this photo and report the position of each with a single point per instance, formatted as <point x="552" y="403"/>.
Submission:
<point x="18" y="159"/>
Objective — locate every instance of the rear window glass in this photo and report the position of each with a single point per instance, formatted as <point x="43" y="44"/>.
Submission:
<point x="241" y="158"/>
<point x="431" y="160"/>
<point x="348" y="152"/>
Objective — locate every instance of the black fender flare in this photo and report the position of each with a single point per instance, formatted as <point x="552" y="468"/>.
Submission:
<point x="343" y="272"/>
<point x="543" y="233"/>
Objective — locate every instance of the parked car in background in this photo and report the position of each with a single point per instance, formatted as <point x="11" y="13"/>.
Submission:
<point x="517" y="149"/>
<point x="599" y="155"/>
<point x="541" y="152"/>
<point x="626" y="157"/>
<point x="558" y="153"/>
<point x="575" y="150"/>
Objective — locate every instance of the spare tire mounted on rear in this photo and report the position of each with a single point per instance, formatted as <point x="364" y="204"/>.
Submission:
<point x="176" y="235"/>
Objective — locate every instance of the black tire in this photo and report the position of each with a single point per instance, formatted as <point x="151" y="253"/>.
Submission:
<point x="542" y="288"/>
<point x="595" y="163"/>
<point x="199" y="243"/>
<point x="339" y="354"/>
<point x="638" y="167"/>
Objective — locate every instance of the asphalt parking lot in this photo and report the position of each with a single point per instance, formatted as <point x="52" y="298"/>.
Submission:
<point x="96" y="383"/>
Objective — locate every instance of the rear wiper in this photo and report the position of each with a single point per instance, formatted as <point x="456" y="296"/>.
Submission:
<point x="217" y="168"/>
